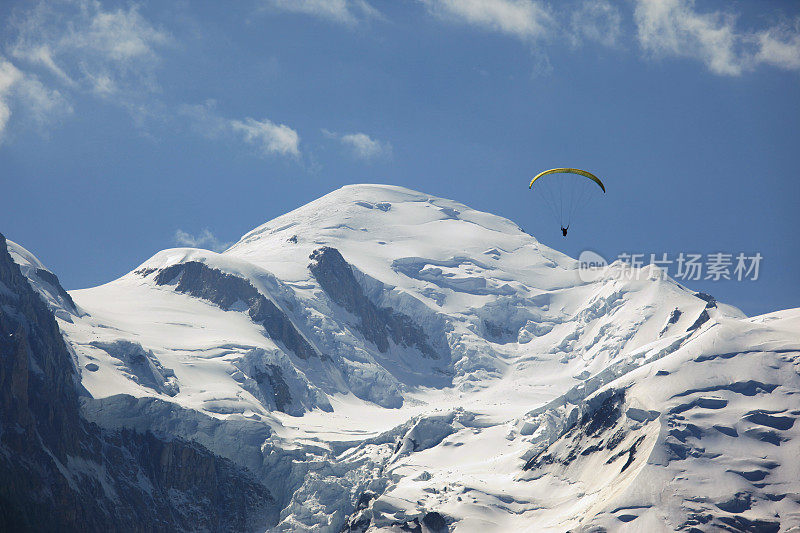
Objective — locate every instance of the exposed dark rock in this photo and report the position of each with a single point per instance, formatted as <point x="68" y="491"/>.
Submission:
<point x="674" y="316"/>
<point x="226" y="291"/>
<point x="272" y="384"/>
<point x="739" y="503"/>
<point x="141" y="365"/>
<point x="702" y="319"/>
<point x="435" y="522"/>
<point x="696" y="519"/>
<point x="364" y="500"/>
<point x="604" y="416"/>
<point x="51" y="279"/>
<point x="632" y="453"/>
<point x="710" y="300"/>
<point x="361" y="518"/>
<point x="762" y="418"/>
<point x="59" y="472"/>
<point x="597" y="419"/>
<point x="273" y="379"/>
<point x="615" y="439"/>
<point x="377" y="324"/>
<point x="498" y="332"/>
<point x="740" y="523"/>
<point x="411" y="526"/>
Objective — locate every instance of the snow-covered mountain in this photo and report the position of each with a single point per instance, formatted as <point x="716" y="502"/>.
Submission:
<point x="383" y="359"/>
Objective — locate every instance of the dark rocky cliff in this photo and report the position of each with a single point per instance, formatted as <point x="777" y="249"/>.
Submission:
<point x="59" y="472"/>
<point x="226" y="290"/>
<point x="377" y="324"/>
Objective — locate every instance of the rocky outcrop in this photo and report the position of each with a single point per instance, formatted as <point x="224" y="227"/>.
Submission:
<point x="271" y="377"/>
<point x="44" y="282"/>
<point x="227" y="291"/>
<point x="52" y="280"/>
<point x="591" y="426"/>
<point x="377" y="324"/>
<point x="704" y="316"/>
<point x="142" y="366"/>
<point x="59" y="472"/>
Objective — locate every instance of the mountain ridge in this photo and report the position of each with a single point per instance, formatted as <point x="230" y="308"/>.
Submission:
<point x="465" y="372"/>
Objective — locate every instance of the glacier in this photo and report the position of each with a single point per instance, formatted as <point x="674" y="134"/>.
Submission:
<point x="383" y="360"/>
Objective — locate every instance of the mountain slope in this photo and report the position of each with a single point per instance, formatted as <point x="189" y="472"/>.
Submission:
<point x="60" y="472"/>
<point x="440" y="295"/>
<point x="381" y="358"/>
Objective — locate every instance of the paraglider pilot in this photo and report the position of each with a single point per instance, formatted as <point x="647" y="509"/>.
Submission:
<point x="575" y="171"/>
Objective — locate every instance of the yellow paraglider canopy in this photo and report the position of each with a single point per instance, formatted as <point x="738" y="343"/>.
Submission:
<point x="577" y="171"/>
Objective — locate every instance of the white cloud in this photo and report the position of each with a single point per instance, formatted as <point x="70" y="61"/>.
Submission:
<point x="205" y="239"/>
<point x="341" y="11"/>
<point x="664" y="28"/>
<point x="24" y="92"/>
<point x="674" y="28"/>
<point x="779" y="47"/>
<point x="9" y="76"/>
<point x="525" y="19"/>
<point x="205" y="120"/>
<point x="268" y="137"/>
<point x="362" y="145"/>
<point x="42" y="55"/>
<point x="62" y="48"/>
<point x="43" y="103"/>
<point x="366" y="147"/>
<point x="598" y="21"/>
<point x="83" y="45"/>
<point x="120" y="36"/>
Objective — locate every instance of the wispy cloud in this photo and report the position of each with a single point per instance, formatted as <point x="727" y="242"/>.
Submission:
<point x="9" y="76"/>
<point x="57" y="50"/>
<point x="780" y="46"/>
<point x="342" y="11"/>
<point x="674" y="28"/>
<point x="525" y="19"/>
<point x="598" y="21"/>
<point x="361" y="145"/>
<point x="20" y="91"/>
<point x="663" y="28"/>
<point x="267" y="137"/>
<point x="205" y="239"/>
<point x="85" y="46"/>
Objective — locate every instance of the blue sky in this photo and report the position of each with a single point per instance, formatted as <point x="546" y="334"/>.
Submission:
<point x="126" y="128"/>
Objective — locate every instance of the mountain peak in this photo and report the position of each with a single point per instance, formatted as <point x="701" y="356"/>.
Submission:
<point x="378" y="224"/>
<point x="419" y="333"/>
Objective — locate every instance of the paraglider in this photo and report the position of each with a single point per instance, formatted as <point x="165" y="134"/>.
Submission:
<point x="566" y="193"/>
